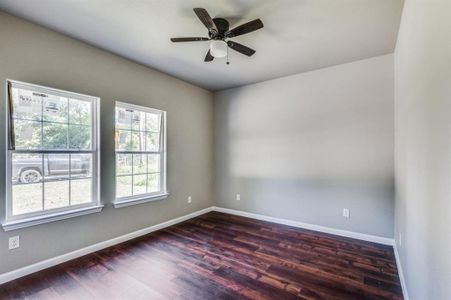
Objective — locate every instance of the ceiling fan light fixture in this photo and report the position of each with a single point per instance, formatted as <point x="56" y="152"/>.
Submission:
<point x="218" y="32"/>
<point x="218" y="49"/>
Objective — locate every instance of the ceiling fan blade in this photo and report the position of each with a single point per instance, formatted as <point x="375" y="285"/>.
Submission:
<point x="241" y="48"/>
<point x="205" y="18"/>
<point x="189" y="39"/>
<point x="209" y="57"/>
<point x="245" y="28"/>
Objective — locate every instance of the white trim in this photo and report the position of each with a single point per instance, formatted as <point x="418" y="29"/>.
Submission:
<point x="400" y="273"/>
<point x="11" y="221"/>
<point x="131" y="106"/>
<point x="340" y="232"/>
<point x="50" y="90"/>
<point x="51" y="217"/>
<point x="136" y="199"/>
<point x="124" y="203"/>
<point x="5" y="277"/>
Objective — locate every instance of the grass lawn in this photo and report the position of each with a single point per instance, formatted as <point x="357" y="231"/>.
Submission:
<point x="28" y="198"/>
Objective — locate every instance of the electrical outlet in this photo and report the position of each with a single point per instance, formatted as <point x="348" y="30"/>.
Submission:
<point x="346" y="213"/>
<point x="189" y="199"/>
<point x="238" y="197"/>
<point x="13" y="242"/>
<point x="400" y="240"/>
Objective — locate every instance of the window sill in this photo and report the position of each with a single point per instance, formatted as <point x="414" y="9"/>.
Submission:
<point x="124" y="203"/>
<point x="13" y="225"/>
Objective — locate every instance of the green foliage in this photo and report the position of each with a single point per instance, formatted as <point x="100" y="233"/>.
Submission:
<point x="54" y="129"/>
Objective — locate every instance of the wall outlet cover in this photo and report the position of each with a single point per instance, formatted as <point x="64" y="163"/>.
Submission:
<point x="346" y="213"/>
<point x="189" y="199"/>
<point x="238" y="197"/>
<point x="13" y="242"/>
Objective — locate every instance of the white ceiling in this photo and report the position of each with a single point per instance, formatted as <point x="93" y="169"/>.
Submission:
<point x="299" y="35"/>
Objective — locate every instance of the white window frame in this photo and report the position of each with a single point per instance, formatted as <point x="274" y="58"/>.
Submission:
<point x="147" y="197"/>
<point x="13" y="222"/>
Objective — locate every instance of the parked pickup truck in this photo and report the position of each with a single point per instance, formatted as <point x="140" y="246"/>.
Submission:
<point x="29" y="170"/>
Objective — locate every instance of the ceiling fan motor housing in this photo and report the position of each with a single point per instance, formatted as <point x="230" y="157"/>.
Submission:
<point x="223" y="26"/>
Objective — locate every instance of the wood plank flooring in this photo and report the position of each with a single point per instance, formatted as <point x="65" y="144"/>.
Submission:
<point x="219" y="256"/>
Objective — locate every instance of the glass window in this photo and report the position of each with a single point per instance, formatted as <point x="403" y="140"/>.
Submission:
<point x="52" y="163"/>
<point x="140" y="152"/>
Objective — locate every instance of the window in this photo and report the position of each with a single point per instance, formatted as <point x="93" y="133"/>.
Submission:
<point x="140" y="154"/>
<point x="52" y="156"/>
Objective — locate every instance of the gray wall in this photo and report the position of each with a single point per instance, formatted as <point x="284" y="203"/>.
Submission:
<point x="36" y="55"/>
<point x="306" y="146"/>
<point x="423" y="148"/>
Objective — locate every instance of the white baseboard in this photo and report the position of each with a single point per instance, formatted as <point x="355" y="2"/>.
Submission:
<point x="400" y="273"/>
<point x="340" y="232"/>
<point x="5" y="277"/>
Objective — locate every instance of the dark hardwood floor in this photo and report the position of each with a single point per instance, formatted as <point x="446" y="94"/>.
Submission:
<point x="219" y="256"/>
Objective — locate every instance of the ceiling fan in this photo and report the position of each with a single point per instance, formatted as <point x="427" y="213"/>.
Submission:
<point x="219" y="35"/>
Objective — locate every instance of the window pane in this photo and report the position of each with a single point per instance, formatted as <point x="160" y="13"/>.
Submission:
<point x="26" y="168"/>
<point x="152" y="122"/>
<point x="80" y="137"/>
<point x="152" y="141"/>
<point x="26" y="105"/>
<point x="139" y="184"/>
<point x="123" y="118"/>
<point x="139" y="119"/>
<point x="123" y="140"/>
<point x="55" y="136"/>
<point x="55" y="109"/>
<point x="139" y="164"/>
<point x="123" y="164"/>
<point x="80" y="191"/>
<point x="80" y="112"/>
<point x="123" y="186"/>
<point x="56" y="193"/>
<point x="81" y="165"/>
<point x="26" y="176"/>
<point x="27" y="134"/>
<point x="137" y="141"/>
<point x="56" y="183"/>
<point x="153" y="183"/>
<point x="56" y="166"/>
<point x="26" y="198"/>
<point x="153" y="163"/>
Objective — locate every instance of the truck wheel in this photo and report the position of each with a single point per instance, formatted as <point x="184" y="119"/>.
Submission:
<point x="30" y="176"/>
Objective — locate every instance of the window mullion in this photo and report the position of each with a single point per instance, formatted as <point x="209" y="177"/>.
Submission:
<point x="147" y="173"/>
<point x="42" y="181"/>
<point x="70" y="154"/>
<point x="70" y="179"/>
<point x="147" y="155"/>
<point x="133" y="163"/>
<point x="68" y="122"/>
<point x="42" y="123"/>
<point x="131" y="143"/>
<point x="43" y="158"/>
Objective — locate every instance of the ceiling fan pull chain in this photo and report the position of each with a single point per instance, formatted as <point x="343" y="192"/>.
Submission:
<point x="228" y="56"/>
